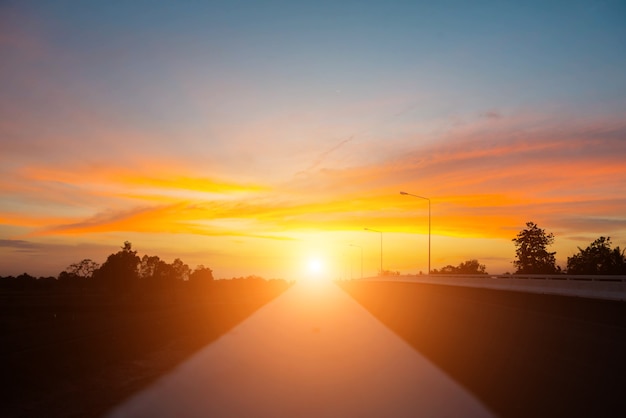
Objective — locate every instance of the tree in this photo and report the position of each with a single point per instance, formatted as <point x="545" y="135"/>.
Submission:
<point x="163" y="276"/>
<point x="78" y="275"/>
<point x="449" y="269"/>
<point x="466" y="267"/>
<point x="471" y="267"/>
<point x="120" y="271"/>
<point x="531" y="251"/>
<point x="201" y="275"/>
<point x="597" y="258"/>
<point x="83" y="269"/>
<point x="148" y="266"/>
<point x="181" y="270"/>
<point x="156" y="274"/>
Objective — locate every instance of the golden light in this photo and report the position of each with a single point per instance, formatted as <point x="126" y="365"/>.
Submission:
<point x="315" y="267"/>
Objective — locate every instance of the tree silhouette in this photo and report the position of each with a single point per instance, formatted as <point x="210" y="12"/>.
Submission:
<point x="201" y="276"/>
<point x="597" y="258"/>
<point x="148" y="266"/>
<point x="181" y="270"/>
<point x="83" y="269"/>
<point x="120" y="271"/>
<point x="531" y="252"/>
<point x="156" y="274"/>
<point x="78" y="274"/>
<point x="163" y="277"/>
<point x="466" y="267"/>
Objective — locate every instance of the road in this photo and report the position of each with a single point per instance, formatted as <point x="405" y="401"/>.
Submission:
<point x="312" y="352"/>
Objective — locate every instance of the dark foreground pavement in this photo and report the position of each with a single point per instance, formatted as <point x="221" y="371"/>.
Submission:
<point x="522" y="354"/>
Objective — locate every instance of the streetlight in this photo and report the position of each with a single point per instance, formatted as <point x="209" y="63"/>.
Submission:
<point x="381" y="247"/>
<point x="358" y="246"/>
<point x="425" y="198"/>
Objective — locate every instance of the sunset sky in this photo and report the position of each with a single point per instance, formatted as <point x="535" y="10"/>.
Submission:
<point x="253" y="137"/>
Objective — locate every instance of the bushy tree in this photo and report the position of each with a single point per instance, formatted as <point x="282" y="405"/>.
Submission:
<point x="466" y="267"/>
<point x="78" y="275"/>
<point x="201" y="275"/>
<point x="120" y="271"/>
<point x="597" y="258"/>
<point x="531" y="251"/>
<point x="449" y="269"/>
<point x="163" y="277"/>
<point x="83" y="269"/>
<point x="471" y="267"/>
<point x="181" y="271"/>
<point x="156" y="274"/>
<point x="148" y="266"/>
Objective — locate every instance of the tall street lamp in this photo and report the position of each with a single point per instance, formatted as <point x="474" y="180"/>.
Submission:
<point x="358" y="246"/>
<point x="381" y="247"/>
<point x="425" y="198"/>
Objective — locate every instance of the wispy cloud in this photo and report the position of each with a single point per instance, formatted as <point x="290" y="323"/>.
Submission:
<point x="320" y="159"/>
<point x="20" y="245"/>
<point x="492" y="114"/>
<point x="516" y="175"/>
<point x="483" y="181"/>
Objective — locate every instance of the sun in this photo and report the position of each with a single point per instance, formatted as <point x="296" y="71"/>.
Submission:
<point x="315" y="268"/>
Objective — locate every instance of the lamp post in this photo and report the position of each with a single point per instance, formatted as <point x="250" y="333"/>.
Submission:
<point x="425" y="198"/>
<point x="381" y="247"/>
<point x="358" y="246"/>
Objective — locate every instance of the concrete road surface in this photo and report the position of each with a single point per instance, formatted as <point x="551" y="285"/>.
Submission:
<point x="312" y="352"/>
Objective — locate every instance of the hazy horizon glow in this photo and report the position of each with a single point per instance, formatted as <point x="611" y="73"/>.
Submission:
<point x="251" y="137"/>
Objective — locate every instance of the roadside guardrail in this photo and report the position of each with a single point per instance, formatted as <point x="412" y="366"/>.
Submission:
<point x="590" y="286"/>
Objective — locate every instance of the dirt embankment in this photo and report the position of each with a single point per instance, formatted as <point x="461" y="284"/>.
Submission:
<point x="78" y="355"/>
<point x="523" y="355"/>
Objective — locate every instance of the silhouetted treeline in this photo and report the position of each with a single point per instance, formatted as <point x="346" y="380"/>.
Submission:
<point x="122" y="273"/>
<point x="79" y="344"/>
<point x="598" y="258"/>
<point x="27" y="282"/>
<point x="385" y="273"/>
<point x="467" y="267"/>
<point x="533" y="256"/>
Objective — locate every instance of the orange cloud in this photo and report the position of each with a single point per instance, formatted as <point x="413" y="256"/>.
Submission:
<point x="479" y="191"/>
